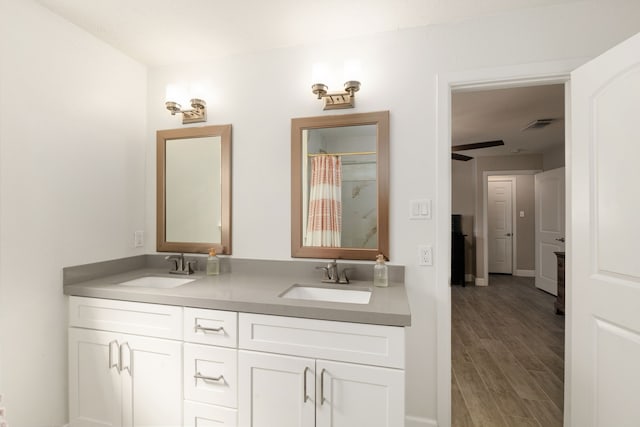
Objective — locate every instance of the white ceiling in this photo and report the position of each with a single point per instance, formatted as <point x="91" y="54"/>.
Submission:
<point x="158" y="32"/>
<point x="502" y="114"/>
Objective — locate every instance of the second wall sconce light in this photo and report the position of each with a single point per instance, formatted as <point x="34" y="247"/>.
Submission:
<point x="197" y="114"/>
<point x="337" y="100"/>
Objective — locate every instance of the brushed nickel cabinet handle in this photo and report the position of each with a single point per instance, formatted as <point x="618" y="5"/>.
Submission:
<point x="129" y="367"/>
<point x="199" y="376"/>
<point x="111" y="358"/>
<point x="205" y="330"/>
<point x="304" y="385"/>
<point x="322" y="399"/>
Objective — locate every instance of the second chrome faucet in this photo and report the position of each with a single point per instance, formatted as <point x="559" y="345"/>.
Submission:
<point x="332" y="273"/>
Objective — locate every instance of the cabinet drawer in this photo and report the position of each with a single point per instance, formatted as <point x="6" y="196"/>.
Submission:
<point x="152" y="320"/>
<point x="202" y="415"/>
<point x="322" y="339"/>
<point x="214" y="327"/>
<point x="211" y="374"/>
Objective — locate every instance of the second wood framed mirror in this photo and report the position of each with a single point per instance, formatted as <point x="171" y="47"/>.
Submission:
<point x="340" y="186"/>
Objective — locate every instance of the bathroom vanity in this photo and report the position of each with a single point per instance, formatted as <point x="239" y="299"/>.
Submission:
<point x="230" y="350"/>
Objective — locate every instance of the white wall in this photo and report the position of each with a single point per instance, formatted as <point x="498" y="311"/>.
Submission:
<point x="72" y="159"/>
<point x="260" y="93"/>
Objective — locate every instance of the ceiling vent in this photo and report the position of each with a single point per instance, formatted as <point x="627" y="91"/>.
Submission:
<point x="538" y="124"/>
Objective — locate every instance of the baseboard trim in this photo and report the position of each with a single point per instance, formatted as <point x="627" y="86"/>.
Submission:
<point x="410" y="421"/>
<point x="481" y="282"/>
<point x="469" y="278"/>
<point x="525" y="273"/>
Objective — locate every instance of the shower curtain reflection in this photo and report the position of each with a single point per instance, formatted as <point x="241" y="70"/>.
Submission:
<point x="324" y="222"/>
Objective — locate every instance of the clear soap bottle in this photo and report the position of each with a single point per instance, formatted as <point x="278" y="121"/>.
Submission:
<point x="213" y="263"/>
<point x="380" y="274"/>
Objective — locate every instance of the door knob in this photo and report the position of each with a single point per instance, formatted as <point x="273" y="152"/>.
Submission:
<point x="560" y="239"/>
<point x="508" y="234"/>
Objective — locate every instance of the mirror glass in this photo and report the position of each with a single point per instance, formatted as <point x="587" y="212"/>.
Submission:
<point x="194" y="189"/>
<point x="340" y="186"/>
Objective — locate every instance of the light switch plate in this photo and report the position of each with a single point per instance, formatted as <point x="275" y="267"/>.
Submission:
<point x="138" y="239"/>
<point x="420" y="209"/>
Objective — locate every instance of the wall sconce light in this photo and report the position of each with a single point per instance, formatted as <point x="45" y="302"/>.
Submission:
<point x="337" y="100"/>
<point x="196" y="115"/>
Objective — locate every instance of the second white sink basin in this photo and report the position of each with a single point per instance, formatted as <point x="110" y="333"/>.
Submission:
<point x="318" y="293"/>
<point x="158" y="282"/>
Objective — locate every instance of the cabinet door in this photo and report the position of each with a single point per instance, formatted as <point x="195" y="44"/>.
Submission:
<point x="355" y="395"/>
<point x="151" y="371"/>
<point x="275" y="390"/>
<point x="94" y="380"/>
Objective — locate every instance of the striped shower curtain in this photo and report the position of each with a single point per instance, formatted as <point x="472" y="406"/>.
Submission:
<point x="324" y="224"/>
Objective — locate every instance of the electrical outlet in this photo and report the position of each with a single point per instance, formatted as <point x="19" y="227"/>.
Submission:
<point x="138" y="239"/>
<point x="425" y="255"/>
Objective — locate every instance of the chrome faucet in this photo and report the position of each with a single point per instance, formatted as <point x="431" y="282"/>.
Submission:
<point x="332" y="273"/>
<point x="180" y="265"/>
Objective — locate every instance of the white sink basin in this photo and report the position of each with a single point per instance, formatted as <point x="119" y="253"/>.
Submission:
<point x="157" y="282"/>
<point x="317" y="293"/>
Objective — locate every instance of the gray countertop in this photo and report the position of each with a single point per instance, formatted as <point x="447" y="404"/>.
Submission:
<point x="245" y="289"/>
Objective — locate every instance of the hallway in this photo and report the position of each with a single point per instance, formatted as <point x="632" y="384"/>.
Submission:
<point x="507" y="355"/>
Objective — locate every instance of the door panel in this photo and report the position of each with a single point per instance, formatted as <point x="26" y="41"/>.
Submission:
<point x="94" y="387"/>
<point x="603" y="268"/>
<point x="500" y="226"/>
<point x="550" y="228"/>
<point x="357" y="395"/>
<point x="272" y="390"/>
<point x="155" y="377"/>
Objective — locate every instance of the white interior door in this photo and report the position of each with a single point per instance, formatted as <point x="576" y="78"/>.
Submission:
<point x="500" y="226"/>
<point x="550" y="232"/>
<point x="604" y="241"/>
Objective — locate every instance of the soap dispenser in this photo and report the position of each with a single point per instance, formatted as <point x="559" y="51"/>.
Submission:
<point x="380" y="274"/>
<point x="213" y="263"/>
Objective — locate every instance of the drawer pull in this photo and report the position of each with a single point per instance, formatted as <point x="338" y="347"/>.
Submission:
<point x="304" y="385"/>
<point x="218" y="379"/>
<point x="205" y="330"/>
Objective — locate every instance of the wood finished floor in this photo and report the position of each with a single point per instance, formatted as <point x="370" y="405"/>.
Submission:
<point x="507" y="351"/>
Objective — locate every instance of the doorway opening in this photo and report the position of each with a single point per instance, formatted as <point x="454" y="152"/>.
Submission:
<point x="507" y="368"/>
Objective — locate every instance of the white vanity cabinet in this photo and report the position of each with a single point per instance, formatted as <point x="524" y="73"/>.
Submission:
<point x="137" y="364"/>
<point x="121" y="379"/>
<point x="304" y="372"/>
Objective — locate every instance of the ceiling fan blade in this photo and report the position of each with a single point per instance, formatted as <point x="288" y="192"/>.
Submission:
<point x="456" y="156"/>
<point x="476" y="145"/>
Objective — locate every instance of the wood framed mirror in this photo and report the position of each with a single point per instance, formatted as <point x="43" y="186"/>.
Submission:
<point x="194" y="189"/>
<point x="340" y="186"/>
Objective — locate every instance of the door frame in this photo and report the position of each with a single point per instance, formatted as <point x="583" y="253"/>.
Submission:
<point x="541" y="73"/>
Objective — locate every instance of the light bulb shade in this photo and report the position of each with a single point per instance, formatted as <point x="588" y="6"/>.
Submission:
<point x="174" y="107"/>
<point x="319" y="89"/>
<point x="198" y="103"/>
<point x="352" y="86"/>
